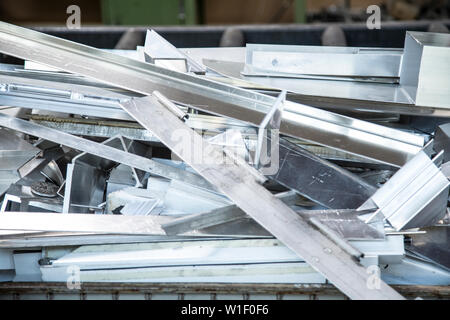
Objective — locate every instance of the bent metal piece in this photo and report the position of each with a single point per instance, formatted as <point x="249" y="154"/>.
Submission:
<point x="336" y="131"/>
<point x="102" y="151"/>
<point x="240" y="186"/>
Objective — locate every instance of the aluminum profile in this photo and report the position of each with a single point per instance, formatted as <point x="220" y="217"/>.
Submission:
<point x="425" y="70"/>
<point x="416" y="196"/>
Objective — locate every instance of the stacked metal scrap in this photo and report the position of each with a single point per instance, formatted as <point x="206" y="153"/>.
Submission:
<point x="225" y="165"/>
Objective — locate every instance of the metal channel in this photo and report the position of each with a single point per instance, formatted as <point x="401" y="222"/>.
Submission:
<point x="336" y="131"/>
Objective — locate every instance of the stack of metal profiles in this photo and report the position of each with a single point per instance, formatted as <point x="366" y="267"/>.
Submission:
<point x="229" y="169"/>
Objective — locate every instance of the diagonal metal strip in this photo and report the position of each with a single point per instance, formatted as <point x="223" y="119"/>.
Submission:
<point x="336" y="131"/>
<point x="271" y="213"/>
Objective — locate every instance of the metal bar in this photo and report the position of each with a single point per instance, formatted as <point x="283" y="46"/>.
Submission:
<point x="344" y="223"/>
<point x="336" y="238"/>
<point x="102" y="151"/>
<point x="58" y="240"/>
<point x="340" y="132"/>
<point x="215" y="217"/>
<point x="271" y="213"/>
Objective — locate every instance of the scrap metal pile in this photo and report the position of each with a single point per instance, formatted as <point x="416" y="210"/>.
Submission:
<point x="263" y="164"/>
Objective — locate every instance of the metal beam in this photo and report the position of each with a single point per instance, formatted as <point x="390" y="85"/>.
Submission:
<point x="336" y="131"/>
<point x="240" y="186"/>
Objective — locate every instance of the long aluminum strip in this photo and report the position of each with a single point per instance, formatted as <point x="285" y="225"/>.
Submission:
<point x="103" y="224"/>
<point x="326" y="61"/>
<point x="239" y="185"/>
<point x="343" y="133"/>
<point x="116" y="224"/>
<point x="102" y="151"/>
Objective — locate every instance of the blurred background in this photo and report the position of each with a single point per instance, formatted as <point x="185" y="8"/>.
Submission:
<point x="213" y="12"/>
<point x="202" y="23"/>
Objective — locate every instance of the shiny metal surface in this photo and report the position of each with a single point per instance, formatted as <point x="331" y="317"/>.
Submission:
<point x="426" y="68"/>
<point x="320" y="60"/>
<point x="351" y="135"/>
<point x="319" y="180"/>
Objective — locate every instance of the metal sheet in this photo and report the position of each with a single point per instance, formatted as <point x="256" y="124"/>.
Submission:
<point x="433" y="245"/>
<point x="319" y="180"/>
<point x="297" y="272"/>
